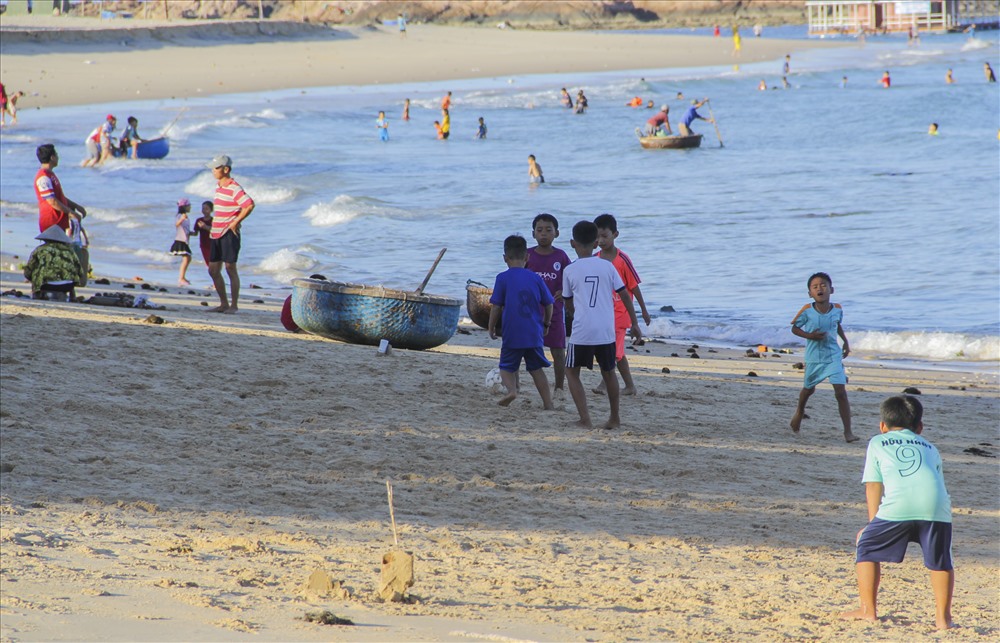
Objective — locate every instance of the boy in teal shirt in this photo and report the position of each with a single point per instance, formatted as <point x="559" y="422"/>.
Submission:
<point x="907" y="502"/>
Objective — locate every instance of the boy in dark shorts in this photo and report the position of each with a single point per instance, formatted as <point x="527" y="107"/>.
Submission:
<point x="907" y="502"/>
<point x="525" y="304"/>
<point x="589" y="284"/>
<point x="548" y="262"/>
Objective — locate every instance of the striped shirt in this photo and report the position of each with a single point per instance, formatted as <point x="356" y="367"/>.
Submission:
<point x="229" y="201"/>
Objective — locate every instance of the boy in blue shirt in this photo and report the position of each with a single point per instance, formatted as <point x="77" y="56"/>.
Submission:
<point x="819" y="323"/>
<point x="907" y="502"/>
<point x="520" y="296"/>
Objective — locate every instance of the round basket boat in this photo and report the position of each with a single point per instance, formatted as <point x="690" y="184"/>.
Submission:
<point x="477" y="302"/>
<point x="366" y="314"/>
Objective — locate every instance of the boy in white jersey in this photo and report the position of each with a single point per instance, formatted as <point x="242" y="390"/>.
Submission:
<point x="589" y="284"/>
<point x="907" y="502"/>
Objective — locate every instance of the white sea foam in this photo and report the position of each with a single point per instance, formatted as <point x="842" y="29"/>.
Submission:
<point x="182" y="131"/>
<point x="148" y="255"/>
<point x="933" y="345"/>
<point x="344" y="208"/>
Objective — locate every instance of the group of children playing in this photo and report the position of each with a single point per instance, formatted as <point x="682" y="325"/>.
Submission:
<point x="582" y="310"/>
<point x="183" y="232"/>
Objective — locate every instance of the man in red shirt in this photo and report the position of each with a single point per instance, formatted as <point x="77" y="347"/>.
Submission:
<point x="53" y="206"/>
<point x="232" y="205"/>
<point x="661" y="120"/>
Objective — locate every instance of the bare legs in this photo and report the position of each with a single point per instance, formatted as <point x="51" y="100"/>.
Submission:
<point x="182" y="279"/>
<point x="626" y="372"/>
<point x="559" y="366"/>
<point x="843" y="406"/>
<point x="580" y="397"/>
<point x="541" y="383"/>
<point x="215" y="270"/>
<point x="869" y="577"/>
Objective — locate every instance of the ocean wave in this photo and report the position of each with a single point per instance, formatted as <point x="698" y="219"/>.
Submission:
<point x="140" y="253"/>
<point x="255" y="120"/>
<point x="19" y="138"/>
<point x="203" y="186"/>
<point x="975" y="43"/>
<point x="928" y="345"/>
<point x="345" y="208"/>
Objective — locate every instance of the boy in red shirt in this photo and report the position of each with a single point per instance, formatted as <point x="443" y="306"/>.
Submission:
<point x="607" y="232"/>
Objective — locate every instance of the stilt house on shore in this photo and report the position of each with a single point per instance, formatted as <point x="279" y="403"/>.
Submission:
<point x="855" y="17"/>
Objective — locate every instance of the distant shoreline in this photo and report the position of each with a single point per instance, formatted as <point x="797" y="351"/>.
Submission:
<point x="97" y="64"/>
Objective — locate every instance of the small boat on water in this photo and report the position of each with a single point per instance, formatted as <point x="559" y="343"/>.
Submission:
<point x="675" y="142"/>
<point x="477" y="302"/>
<point x="361" y="314"/>
<point x="154" y="148"/>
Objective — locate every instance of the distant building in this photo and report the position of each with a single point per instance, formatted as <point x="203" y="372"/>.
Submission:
<point x="854" y="17"/>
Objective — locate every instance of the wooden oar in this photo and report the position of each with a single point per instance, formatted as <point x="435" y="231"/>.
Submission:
<point x="423" y="284"/>
<point x="163" y="133"/>
<point x="717" y="134"/>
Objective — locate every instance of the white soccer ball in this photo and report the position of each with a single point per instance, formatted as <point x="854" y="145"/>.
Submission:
<point x="494" y="382"/>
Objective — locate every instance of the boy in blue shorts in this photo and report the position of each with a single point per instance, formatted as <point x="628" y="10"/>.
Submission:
<point x="520" y="296"/>
<point x="548" y="262"/>
<point x="819" y="323"/>
<point x="589" y="285"/>
<point x="907" y="502"/>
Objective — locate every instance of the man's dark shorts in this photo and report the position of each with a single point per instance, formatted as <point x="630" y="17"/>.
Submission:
<point x="226" y="248"/>
<point x="583" y="356"/>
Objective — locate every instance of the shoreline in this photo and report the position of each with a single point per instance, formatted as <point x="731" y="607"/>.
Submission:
<point x="205" y="65"/>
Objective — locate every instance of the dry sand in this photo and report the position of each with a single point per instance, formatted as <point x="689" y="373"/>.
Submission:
<point x="182" y="481"/>
<point x="97" y="65"/>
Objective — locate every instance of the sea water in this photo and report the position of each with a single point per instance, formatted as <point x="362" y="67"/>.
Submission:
<point x="817" y="177"/>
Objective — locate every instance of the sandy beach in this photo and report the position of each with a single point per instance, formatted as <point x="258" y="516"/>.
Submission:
<point x="97" y="64"/>
<point x="182" y="480"/>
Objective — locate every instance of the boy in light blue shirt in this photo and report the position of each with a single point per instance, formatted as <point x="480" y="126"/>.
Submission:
<point x="819" y="323"/>
<point x="907" y="502"/>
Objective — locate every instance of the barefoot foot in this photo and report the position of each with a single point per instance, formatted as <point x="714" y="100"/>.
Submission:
<point x="232" y="310"/>
<point x="218" y="309"/>
<point x="859" y="613"/>
<point x="850" y="437"/>
<point x="796" y="422"/>
<point x="629" y="390"/>
<point x="507" y="399"/>
<point x="583" y="424"/>
<point x="598" y="391"/>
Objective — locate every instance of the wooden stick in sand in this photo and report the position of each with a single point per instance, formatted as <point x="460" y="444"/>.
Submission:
<point x="397" y="565"/>
<point x="392" y="514"/>
<point x="717" y="135"/>
<point x="423" y="284"/>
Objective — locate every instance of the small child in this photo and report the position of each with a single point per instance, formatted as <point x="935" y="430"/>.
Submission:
<point x="548" y="262"/>
<point x="819" y="323"/>
<point x="593" y="281"/>
<point x="203" y="228"/>
<point x="932" y="129"/>
<point x="534" y="170"/>
<point x="440" y="134"/>
<point x="607" y="232"/>
<point x="180" y="248"/>
<point x="907" y="502"/>
<point x="481" y="132"/>
<point x="520" y="296"/>
<point x="383" y="127"/>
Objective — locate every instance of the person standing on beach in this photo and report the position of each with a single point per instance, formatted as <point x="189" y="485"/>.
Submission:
<point x="786" y="68"/>
<point x="53" y="206"/>
<point x="548" y="262"/>
<point x="203" y="228"/>
<point x="522" y="300"/>
<point x="401" y="22"/>
<point x="737" y="41"/>
<point x="820" y="323"/>
<point x="588" y="286"/>
<point x="182" y="236"/>
<point x="231" y="206"/>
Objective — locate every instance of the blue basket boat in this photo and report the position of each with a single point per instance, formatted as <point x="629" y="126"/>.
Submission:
<point x="366" y="314"/>
<point x="154" y="148"/>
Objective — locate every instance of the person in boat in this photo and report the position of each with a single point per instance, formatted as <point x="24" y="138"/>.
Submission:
<point x="128" y="144"/>
<point x="691" y="115"/>
<point x="564" y="97"/>
<point x="581" y="103"/>
<point x="659" y="125"/>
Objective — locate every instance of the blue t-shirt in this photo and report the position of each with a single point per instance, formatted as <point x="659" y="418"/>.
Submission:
<point x="810" y="320"/>
<point x="522" y="294"/>
<point x="690" y="115"/>
<point x="909" y="467"/>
